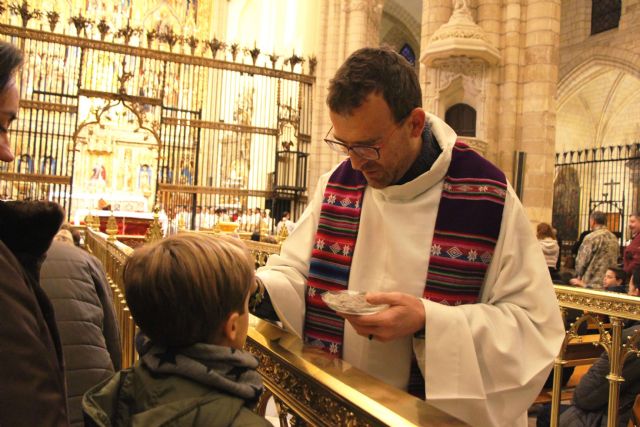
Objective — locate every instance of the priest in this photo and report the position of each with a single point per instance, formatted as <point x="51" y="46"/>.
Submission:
<point x="422" y="223"/>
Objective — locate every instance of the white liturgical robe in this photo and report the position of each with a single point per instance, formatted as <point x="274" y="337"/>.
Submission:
<point x="483" y="363"/>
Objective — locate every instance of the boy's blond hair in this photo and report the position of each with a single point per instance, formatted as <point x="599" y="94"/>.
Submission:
<point x="182" y="289"/>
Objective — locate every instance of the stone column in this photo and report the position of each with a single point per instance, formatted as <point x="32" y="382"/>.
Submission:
<point x="347" y="25"/>
<point x="435" y="13"/>
<point x="538" y="119"/>
<point x="509" y="90"/>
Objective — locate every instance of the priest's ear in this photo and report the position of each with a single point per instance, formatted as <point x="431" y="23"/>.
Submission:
<point x="417" y="119"/>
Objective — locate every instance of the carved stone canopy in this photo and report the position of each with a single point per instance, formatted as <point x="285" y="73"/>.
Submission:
<point x="460" y="36"/>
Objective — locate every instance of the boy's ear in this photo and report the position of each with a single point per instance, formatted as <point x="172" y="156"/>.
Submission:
<point x="230" y="329"/>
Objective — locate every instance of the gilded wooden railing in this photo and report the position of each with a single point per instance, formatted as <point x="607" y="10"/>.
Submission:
<point x="112" y="255"/>
<point x="594" y="304"/>
<point x="308" y="387"/>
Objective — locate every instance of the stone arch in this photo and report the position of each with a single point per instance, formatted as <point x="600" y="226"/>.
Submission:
<point x="400" y="26"/>
<point x="572" y="73"/>
<point x="594" y="98"/>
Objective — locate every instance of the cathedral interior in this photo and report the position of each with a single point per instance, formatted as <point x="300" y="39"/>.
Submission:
<point x="145" y="118"/>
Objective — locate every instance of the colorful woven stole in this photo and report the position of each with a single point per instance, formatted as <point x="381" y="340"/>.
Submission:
<point x="331" y="255"/>
<point x="466" y="231"/>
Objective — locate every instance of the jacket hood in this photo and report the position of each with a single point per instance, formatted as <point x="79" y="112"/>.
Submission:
<point x="548" y="245"/>
<point x="119" y="401"/>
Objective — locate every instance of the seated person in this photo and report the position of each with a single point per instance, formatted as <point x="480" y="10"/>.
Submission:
<point x="189" y="296"/>
<point x="591" y="396"/>
<point x="613" y="281"/>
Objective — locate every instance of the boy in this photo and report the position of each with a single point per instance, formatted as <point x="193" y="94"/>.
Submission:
<point x="189" y="296"/>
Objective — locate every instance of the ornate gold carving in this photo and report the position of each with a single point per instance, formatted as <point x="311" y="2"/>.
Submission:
<point x="302" y="396"/>
<point x="112" y="228"/>
<point x="32" y="177"/>
<point x="212" y="190"/>
<point x="148" y="53"/>
<point x="599" y="301"/>
<point x="217" y="125"/>
<point x="48" y="106"/>
<point x="143" y="100"/>
<point x="154" y="232"/>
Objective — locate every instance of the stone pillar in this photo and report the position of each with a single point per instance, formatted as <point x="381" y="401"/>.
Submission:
<point x="347" y="25"/>
<point x="538" y="106"/>
<point x="509" y="89"/>
<point x="435" y="13"/>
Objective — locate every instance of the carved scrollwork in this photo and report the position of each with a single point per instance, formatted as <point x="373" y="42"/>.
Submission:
<point x="301" y="398"/>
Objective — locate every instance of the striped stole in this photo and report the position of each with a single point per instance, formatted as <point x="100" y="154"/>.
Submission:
<point x="466" y="231"/>
<point x="331" y="255"/>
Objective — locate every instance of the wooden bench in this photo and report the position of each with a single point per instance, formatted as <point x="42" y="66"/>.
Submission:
<point x="581" y="355"/>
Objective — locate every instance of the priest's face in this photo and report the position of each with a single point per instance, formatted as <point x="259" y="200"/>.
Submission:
<point x="9" y="100"/>
<point x="372" y="125"/>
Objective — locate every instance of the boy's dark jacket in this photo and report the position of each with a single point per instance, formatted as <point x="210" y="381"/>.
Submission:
<point x="138" y="397"/>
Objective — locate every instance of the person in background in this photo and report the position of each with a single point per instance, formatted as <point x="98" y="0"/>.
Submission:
<point x="71" y="234"/>
<point x="32" y="388"/>
<point x="77" y="286"/>
<point x="631" y="255"/>
<point x="189" y="296"/>
<point x="285" y="222"/>
<point x="598" y="251"/>
<point x="550" y="248"/>
<point x="615" y="280"/>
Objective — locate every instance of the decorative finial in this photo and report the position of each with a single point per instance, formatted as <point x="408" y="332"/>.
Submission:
<point x="154" y="232"/>
<point x="112" y="228"/>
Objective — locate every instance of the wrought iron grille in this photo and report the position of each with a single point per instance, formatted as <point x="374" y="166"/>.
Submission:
<point x="103" y="119"/>
<point x="606" y="179"/>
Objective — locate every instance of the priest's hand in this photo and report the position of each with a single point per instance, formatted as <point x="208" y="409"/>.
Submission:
<point x="405" y="316"/>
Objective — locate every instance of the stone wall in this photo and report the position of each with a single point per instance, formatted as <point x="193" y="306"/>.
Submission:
<point x="599" y="85"/>
<point x="516" y="97"/>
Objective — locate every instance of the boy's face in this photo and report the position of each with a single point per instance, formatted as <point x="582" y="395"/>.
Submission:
<point x="242" y="326"/>
<point x="633" y="291"/>
<point x="610" y="280"/>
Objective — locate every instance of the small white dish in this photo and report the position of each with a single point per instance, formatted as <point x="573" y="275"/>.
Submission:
<point x="351" y="302"/>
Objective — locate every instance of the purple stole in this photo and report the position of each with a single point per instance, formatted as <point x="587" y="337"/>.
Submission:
<point x="466" y="231"/>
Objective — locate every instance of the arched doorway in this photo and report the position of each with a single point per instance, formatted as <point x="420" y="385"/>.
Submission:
<point x="462" y="118"/>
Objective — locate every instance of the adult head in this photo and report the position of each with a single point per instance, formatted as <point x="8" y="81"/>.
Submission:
<point x="544" y="231"/>
<point x="375" y="108"/>
<point x="69" y="231"/>
<point x="597" y="219"/>
<point x="286" y="215"/>
<point x="634" y="223"/>
<point x="189" y="289"/>
<point x="10" y="60"/>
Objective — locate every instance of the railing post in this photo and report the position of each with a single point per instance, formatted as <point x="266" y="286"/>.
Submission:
<point x="615" y="353"/>
<point x="556" y="392"/>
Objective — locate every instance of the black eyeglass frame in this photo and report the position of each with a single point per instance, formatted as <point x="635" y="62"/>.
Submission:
<point x="341" y="147"/>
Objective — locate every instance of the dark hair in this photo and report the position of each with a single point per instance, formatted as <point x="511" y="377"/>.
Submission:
<point x="636" y="214"/>
<point x="10" y="59"/>
<point x="182" y="289"/>
<point x="375" y="70"/>
<point x="619" y="273"/>
<point x="599" y="217"/>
